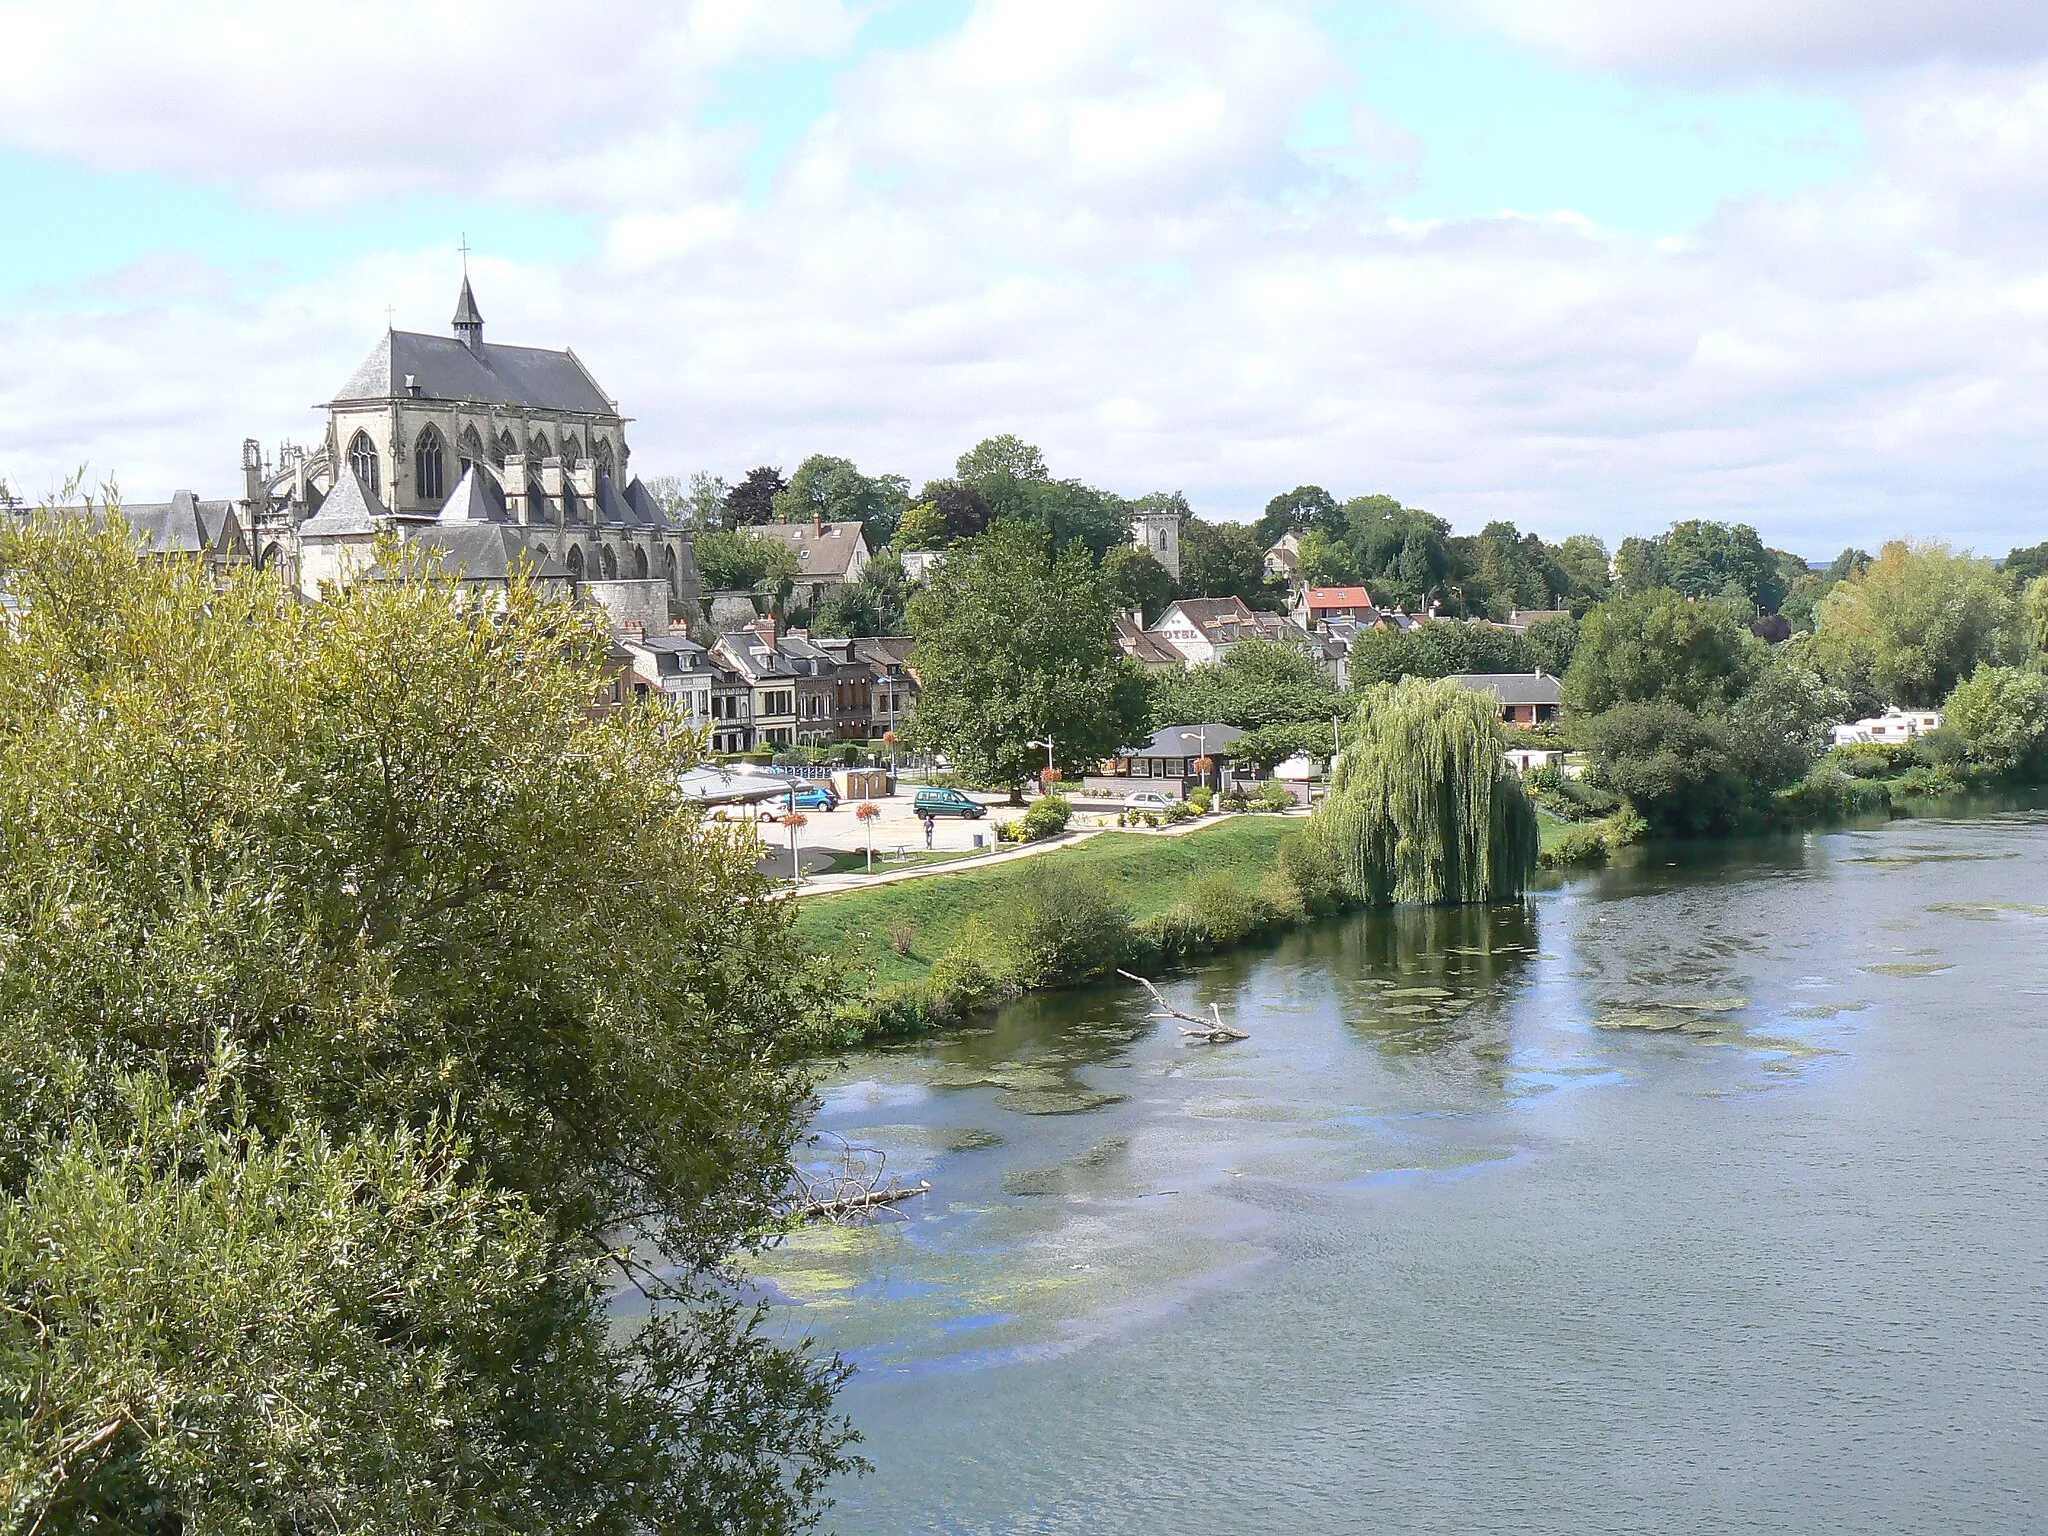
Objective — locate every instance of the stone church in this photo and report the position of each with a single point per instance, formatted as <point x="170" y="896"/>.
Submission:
<point x="495" y="454"/>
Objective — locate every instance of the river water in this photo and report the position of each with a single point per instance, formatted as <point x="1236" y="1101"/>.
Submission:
<point x="1704" y="1195"/>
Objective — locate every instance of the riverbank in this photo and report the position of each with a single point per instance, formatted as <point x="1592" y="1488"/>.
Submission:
<point x="919" y="953"/>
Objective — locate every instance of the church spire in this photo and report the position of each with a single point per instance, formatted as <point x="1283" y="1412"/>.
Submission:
<point x="469" y="320"/>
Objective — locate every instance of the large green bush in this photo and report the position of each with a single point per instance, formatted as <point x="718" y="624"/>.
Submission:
<point x="1047" y="817"/>
<point x="2001" y="714"/>
<point x="1055" y="924"/>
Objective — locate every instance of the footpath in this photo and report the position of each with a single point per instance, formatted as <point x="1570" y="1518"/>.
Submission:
<point x="860" y="880"/>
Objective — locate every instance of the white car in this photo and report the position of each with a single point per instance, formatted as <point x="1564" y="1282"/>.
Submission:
<point x="1148" y="800"/>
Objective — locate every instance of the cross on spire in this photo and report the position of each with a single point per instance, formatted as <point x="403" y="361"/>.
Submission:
<point x="465" y="253"/>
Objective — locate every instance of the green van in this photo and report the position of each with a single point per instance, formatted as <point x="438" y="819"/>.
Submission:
<point x="947" y="802"/>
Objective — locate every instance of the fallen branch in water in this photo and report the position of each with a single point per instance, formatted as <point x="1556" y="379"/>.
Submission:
<point x="1209" y="1031"/>
<point x="857" y="1185"/>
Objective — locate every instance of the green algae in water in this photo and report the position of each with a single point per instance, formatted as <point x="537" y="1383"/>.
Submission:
<point x="1910" y="968"/>
<point x="1825" y="1010"/>
<point x="1071" y="1101"/>
<point x="1075" y="1176"/>
<point x="1907" y="859"/>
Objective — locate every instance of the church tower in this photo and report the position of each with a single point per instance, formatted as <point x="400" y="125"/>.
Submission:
<point x="1157" y="532"/>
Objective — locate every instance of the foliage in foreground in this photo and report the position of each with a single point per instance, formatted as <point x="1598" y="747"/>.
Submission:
<point x="361" y="1001"/>
<point x="1423" y="806"/>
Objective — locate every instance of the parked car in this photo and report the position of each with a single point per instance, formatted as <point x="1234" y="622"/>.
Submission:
<point x="816" y="797"/>
<point x="947" y="802"/>
<point x="1147" y="800"/>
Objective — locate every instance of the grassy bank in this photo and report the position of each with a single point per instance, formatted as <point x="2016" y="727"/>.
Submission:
<point x="920" y="952"/>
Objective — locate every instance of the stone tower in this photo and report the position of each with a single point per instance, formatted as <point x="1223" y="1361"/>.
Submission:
<point x="1158" y="534"/>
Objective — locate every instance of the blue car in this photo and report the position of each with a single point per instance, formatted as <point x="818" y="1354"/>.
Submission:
<point x="816" y="797"/>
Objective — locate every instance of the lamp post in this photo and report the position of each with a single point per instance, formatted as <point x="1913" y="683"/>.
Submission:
<point x="1047" y="744"/>
<point x="795" y="822"/>
<point x="865" y="813"/>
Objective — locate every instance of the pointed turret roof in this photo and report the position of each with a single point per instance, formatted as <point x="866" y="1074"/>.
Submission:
<point x="348" y="509"/>
<point x="476" y="499"/>
<point x="466" y="312"/>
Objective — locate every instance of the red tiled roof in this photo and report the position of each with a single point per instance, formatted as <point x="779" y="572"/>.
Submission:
<point x="1339" y="597"/>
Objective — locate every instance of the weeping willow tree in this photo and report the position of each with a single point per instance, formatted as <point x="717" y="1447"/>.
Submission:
<point x="1424" y="807"/>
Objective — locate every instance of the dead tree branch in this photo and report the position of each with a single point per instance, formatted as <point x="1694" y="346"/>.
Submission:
<point x="1209" y="1031"/>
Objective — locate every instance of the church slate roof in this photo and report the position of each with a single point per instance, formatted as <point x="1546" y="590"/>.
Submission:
<point x="185" y="525"/>
<point x="487" y="551"/>
<point x="348" y="510"/>
<point x="446" y="369"/>
<point x="646" y="510"/>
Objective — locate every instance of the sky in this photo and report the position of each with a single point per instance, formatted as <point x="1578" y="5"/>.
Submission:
<point x="1587" y="265"/>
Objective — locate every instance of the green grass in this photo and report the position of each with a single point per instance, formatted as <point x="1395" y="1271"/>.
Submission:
<point x="1550" y="828"/>
<point x="1147" y="874"/>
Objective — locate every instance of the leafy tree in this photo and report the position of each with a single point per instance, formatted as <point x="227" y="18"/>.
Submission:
<point x="1305" y="509"/>
<point x="835" y="490"/>
<point x="1677" y="769"/>
<point x="1639" y="565"/>
<point x="1423" y="806"/>
<point x="1327" y="562"/>
<point x="1436" y="649"/>
<point x="1550" y="643"/>
<point x="329" y="1077"/>
<point x="1921" y="616"/>
<point x="1137" y="581"/>
<point x="1257" y="683"/>
<point x="699" y="504"/>
<point x="1224" y="560"/>
<point x="1707" y="559"/>
<point x="741" y="562"/>
<point x="1582" y="561"/>
<point x="923" y="527"/>
<point x="1015" y="643"/>
<point x="1850" y="562"/>
<point x="2021" y="566"/>
<point x="2034" y="616"/>
<point x="872" y="605"/>
<point x="752" y="501"/>
<point x="1400" y="551"/>
<point x="2001" y="714"/>
<point x="962" y="508"/>
<point x="1656" y="646"/>
<point x="1271" y="744"/>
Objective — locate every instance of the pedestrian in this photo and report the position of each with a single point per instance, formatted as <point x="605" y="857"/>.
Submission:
<point x="931" y="825"/>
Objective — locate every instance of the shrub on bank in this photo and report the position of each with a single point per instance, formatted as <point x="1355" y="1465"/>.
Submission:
<point x="1828" y="793"/>
<point x="1057" y="925"/>
<point x="1201" y="798"/>
<point x="1274" y="796"/>
<point x="1873" y="759"/>
<point x="1582" y="847"/>
<point x="1047" y="817"/>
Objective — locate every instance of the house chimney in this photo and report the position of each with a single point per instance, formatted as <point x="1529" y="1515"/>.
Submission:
<point x="632" y="629"/>
<point x="817" y="525"/>
<point x="765" y="628"/>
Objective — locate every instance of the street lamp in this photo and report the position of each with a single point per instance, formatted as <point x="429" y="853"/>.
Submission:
<point x="795" y="821"/>
<point x="1047" y="744"/>
<point x="865" y="813"/>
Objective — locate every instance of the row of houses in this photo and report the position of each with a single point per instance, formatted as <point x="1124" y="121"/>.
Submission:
<point x="764" y="688"/>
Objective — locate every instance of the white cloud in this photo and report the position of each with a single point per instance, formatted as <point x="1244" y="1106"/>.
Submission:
<point x="1084" y="227"/>
<point x="1755" y="37"/>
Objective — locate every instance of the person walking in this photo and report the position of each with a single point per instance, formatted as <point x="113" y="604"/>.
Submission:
<point x="931" y="825"/>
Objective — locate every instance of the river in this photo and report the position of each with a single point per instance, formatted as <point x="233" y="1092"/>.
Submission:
<point x="1704" y="1195"/>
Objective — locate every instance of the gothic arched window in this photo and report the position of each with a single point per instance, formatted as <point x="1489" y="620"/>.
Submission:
<point x="575" y="562"/>
<point x="639" y="565"/>
<point x="571" y="449"/>
<point x="362" y="458"/>
<point x="506" y="448"/>
<point x="539" y="447"/>
<point x="472" y="448"/>
<point x="605" y="466"/>
<point x="429" y="461"/>
<point x="674" y="583"/>
<point x="609" y="563"/>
